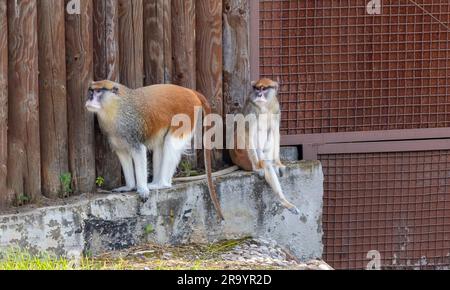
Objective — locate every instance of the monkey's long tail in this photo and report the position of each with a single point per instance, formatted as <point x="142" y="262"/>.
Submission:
<point x="220" y="173"/>
<point x="208" y="166"/>
<point x="272" y="179"/>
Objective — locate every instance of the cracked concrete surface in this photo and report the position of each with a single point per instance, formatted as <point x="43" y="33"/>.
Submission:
<point x="182" y="214"/>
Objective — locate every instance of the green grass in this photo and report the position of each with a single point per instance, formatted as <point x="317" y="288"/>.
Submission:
<point x="16" y="259"/>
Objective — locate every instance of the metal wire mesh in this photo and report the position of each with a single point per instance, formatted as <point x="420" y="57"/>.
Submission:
<point x="343" y="70"/>
<point x="394" y="203"/>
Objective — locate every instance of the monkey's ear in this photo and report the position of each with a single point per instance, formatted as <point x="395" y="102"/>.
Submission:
<point x="115" y="90"/>
<point x="277" y="85"/>
<point x="253" y="83"/>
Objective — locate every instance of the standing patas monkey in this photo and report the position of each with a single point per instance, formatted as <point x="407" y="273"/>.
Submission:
<point x="141" y="119"/>
<point x="262" y="138"/>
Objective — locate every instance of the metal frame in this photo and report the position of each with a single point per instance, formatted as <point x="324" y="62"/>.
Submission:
<point x="376" y="181"/>
<point x="315" y="144"/>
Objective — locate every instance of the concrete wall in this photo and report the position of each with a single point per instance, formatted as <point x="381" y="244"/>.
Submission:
<point x="183" y="214"/>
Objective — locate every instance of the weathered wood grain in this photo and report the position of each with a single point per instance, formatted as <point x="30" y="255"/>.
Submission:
<point x="79" y="57"/>
<point x="106" y="66"/>
<point x="131" y="35"/>
<point x="52" y="95"/>
<point x="154" y="41"/>
<point x="183" y="43"/>
<point x="209" y="57"/>
<point x="183" y="52"/>
<point x="236" y="55"/>
<point x="4" y="198"/>
<point x="167" y="22"/>
<point x="24" y="170"/>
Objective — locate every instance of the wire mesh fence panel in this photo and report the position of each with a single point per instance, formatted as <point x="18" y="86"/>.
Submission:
<point x="344" y="70"/>
<point x="395" y="203"/>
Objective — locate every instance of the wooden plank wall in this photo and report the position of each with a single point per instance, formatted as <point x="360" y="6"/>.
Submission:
<point x="209" y="58"/>
<point x="79" y="54"/>
<point x="3" y="103"/>
<point x="236" y="54"/>
<point x="24" y="170"/>
<point x="131" y="35"/>
<point x="52" y="95"/>
<point x="45" y="130"/>
<point x="106" y="66"/>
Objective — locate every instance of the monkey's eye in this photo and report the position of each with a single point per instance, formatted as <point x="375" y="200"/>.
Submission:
<point x="91" y="94"/>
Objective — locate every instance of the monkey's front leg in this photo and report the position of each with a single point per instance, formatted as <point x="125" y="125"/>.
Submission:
<point x="252" y="152"/>
<point x="127" y="166"/>
<point x="140" y="162"/>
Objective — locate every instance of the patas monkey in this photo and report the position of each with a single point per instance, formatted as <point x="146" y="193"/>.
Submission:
<point x="262" y="138"/>
<point x="141" y="119"/>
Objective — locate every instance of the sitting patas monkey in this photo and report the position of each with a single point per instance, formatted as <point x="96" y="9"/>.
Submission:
<point x="261" y="152"/>
<point x="141" y="119"/>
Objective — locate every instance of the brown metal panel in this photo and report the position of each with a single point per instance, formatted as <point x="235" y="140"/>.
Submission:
<point x="24" y="170"/>
<point x="343" y="70"/>
<point x="395" y="203"/>
<point x="347" y="137"/>
<point x="348" y="81"/>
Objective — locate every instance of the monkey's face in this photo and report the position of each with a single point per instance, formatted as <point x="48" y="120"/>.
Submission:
<point x="98" y="99"/>
<point x="264" y="92"/>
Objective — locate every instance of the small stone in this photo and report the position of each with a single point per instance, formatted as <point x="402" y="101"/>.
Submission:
<point x="167" y="256"/>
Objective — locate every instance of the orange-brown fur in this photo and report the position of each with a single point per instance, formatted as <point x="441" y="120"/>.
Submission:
<point x="265" y="83"/>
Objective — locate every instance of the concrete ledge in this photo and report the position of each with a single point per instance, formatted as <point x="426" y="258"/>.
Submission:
<point x="183" y="214"/>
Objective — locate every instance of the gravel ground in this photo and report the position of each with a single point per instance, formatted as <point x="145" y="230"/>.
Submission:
<point x="245" y="254"/>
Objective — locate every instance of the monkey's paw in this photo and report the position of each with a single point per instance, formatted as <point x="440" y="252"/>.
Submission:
<point x="281" y="170"/>
<point x="260" y="172"/>
<point x="144" y="194"/>
<point x="124" y="189"/>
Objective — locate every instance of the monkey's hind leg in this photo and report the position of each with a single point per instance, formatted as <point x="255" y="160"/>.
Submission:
<point x="173" y="149"/>
<point x="157" y="164"/>
<point x="280" y="169"/>
<point x="128" y="171"/>
<point x="272" y="180"/>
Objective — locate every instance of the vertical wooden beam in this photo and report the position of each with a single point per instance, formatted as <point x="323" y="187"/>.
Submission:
<point x="167" y="39"/>
<point x="4" y="198"/>
<point x="154" y="41"/>
<point x="157" y="42"/>
<point x="79" y="59"/>
<point x="52" y="95"/>
<point x="106" y="66"/>
<point x="236" y="52"/>
<point x="209" y="57"/>
<point x="24" y="170"/>
<point x="183" y="43"/>
<point x="183" y="52"/>
<point x="131" y="35"/>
